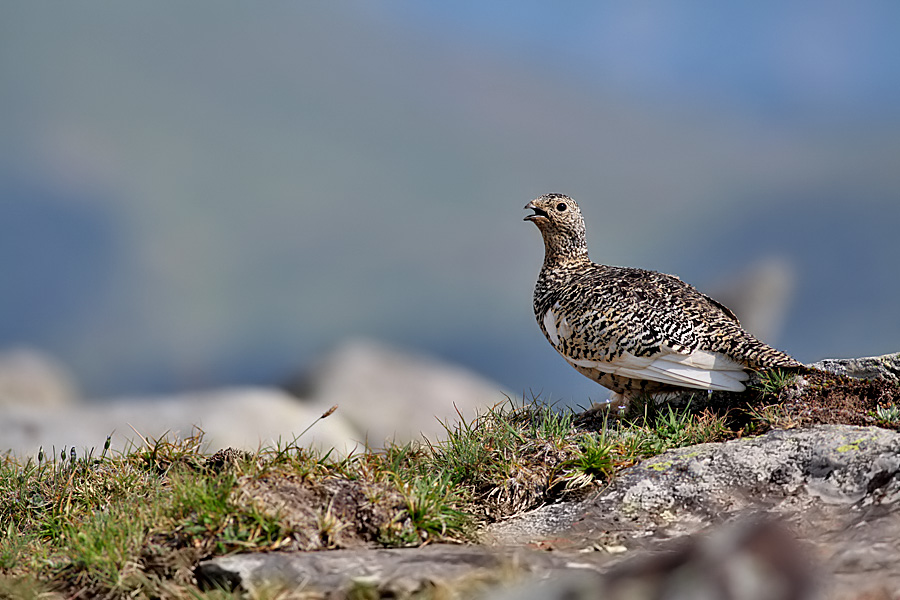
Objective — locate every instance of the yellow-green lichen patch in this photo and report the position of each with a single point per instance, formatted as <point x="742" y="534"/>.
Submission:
<point x="852" y="446"/>
<point x="664" y="465"/>
<point x="660" y="465"/>
<point x="693" y="454"/>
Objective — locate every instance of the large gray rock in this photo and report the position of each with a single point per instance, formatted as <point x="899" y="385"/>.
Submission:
<point x="381" y="393"/>
<point x="390" y="394"/>
<point x="244" y="418"/>
<point x="31" y="378"/>
<point x="886" y="367"/>
<point x="836" y="487"/>
<point x="751" y="559"/>
<point x="393" y="572"/>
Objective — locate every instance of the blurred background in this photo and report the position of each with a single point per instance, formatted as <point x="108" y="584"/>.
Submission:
<point x="207" y="194"/>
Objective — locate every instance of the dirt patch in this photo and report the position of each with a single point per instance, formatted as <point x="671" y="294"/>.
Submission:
<point x="330" y="512"/>
<point x="823" y="398"/>
<point x="167" y="557"/>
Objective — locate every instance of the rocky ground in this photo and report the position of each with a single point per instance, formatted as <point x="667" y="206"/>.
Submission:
<point x="806" y="509"/>
<point x="787" y="491"/>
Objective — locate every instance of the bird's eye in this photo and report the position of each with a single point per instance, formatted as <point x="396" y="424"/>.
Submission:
<point x="561" y="206"/>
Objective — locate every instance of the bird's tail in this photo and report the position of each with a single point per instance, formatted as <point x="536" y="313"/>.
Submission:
<point x="758" y="355"/>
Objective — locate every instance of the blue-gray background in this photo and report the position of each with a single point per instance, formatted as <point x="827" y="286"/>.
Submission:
<point x="198" y="194"/>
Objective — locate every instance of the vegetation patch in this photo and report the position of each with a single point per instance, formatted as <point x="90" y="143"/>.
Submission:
<point x="136" y="524"/>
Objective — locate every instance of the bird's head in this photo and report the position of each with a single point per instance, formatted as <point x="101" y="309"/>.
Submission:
<point x="560" y="221"/>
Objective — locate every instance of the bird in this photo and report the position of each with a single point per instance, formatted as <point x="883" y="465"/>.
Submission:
<point x="635" y="331"/>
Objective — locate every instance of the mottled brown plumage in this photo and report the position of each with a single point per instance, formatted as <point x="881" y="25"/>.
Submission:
<point x="631" y="330"/>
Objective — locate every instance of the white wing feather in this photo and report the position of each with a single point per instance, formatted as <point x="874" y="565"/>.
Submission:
<point x="700" y="369"/>
<point x="556" y="327"/>
<point x="550" y="326"/>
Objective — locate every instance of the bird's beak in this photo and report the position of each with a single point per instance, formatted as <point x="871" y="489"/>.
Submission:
<point x="538" y="213"/>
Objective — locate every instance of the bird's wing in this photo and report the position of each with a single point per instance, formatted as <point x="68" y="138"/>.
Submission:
<point x="699" y="369"/>
<point x="639" y="335"/>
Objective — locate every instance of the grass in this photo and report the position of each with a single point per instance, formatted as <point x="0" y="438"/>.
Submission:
<point x="136" y="523"/>
<point x="773" y="381"/>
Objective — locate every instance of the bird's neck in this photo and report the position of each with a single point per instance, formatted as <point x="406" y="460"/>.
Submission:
<point x="562" y="252"/>
<point x="559" y="268"/>
<point x="557" y="273"/>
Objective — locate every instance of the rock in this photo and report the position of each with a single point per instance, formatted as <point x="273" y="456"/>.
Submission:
<point x="393" y="572"/>
<point x="238" y="417"/>
<point x="836" y="487"/>
<point x="872" y="367"/>
<point x="684" y="490"/>
<point x="752" y="559"/>
<point x="389" y="394"/>
<point x="31" y="378"/>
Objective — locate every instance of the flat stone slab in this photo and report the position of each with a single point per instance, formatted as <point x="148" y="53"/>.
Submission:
<point x="392" y="571"/>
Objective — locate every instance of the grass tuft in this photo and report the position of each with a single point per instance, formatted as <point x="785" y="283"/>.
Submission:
<point x="771" y="382"/>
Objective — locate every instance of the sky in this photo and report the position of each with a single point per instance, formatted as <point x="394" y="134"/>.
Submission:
<point x="205" y="194"/>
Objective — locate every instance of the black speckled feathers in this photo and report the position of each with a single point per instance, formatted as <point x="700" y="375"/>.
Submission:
<point x="631" y="330"/>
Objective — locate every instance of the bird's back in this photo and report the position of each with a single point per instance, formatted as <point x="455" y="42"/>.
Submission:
<point x="611" y="310"/>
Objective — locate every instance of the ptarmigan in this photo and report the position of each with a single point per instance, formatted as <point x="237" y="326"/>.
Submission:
<point x="635" y="331"/>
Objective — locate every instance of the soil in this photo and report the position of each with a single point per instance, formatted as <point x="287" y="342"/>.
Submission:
<point x="334" y="512"/>
<point x="821" y="397"/>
